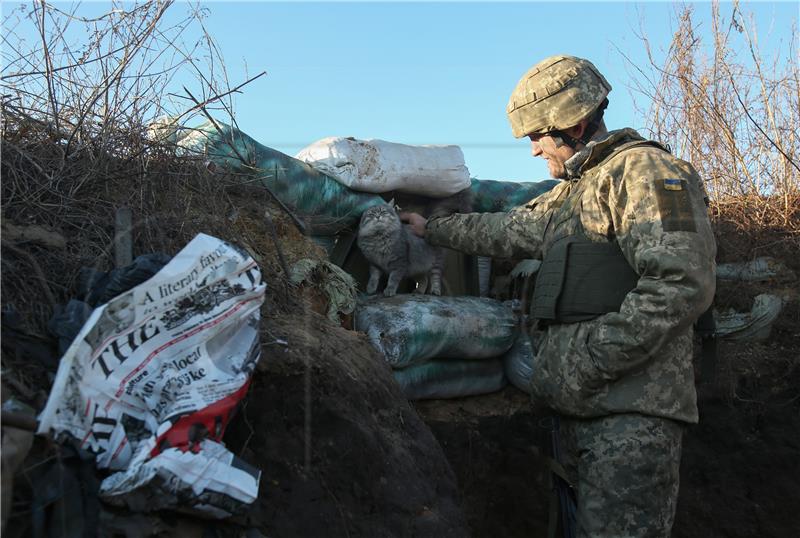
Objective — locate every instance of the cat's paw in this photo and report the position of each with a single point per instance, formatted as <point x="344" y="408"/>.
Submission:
<point x="436" y="290"/>
<point x="389" y="292"/>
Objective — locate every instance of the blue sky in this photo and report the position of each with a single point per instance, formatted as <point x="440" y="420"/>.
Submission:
<point x="433" y="73"/>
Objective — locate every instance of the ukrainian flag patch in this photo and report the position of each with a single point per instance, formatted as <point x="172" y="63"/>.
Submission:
<point x="674" y="205"/>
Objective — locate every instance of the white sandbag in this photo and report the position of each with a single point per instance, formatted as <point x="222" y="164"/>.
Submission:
<point x="379" y="166"/>
<point x="760" y="269"/>
<point x="755" y="325"/>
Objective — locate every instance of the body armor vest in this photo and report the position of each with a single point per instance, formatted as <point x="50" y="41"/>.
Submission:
<point x="580" y="279"/>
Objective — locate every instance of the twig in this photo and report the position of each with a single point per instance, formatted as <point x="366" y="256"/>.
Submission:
<point x="757" y="126"/>
<point x="221" y="95"/>
<point x="48" y="62"/>
<point x="274" y="235"/>
<point x="297" y="222"/>
<point x="219" y="129"/>
<point x="36" y="269"/>
<point x="63" y="67"/>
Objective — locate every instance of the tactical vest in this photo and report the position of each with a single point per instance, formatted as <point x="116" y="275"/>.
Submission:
<point x="580" y="279"/>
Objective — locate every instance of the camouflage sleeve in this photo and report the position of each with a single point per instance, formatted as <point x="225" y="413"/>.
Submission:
<point x="516" y="234"/>
<point x="660" y="220"/>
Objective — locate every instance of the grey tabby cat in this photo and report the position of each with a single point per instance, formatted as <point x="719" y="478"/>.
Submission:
<point x="391" y="247"/>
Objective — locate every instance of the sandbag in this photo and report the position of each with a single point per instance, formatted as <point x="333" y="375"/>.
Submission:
<point x="755" y="325"/>
<point x="323" y="203"/>
<point x="490" y="196"/>
<point x="450" y="378"/>
<point x="410" y="329"/>
<point x="760" y="269"/>
<point x="379" y="166"/>
<point x="518" y="363"/>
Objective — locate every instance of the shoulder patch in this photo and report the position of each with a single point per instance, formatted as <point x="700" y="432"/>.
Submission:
<point x="674" y="205"/>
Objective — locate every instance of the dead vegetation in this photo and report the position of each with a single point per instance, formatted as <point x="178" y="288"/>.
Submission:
<point x="76" y="152"/>
<point x="75" y="146"/>
<point x="733" y="112"/>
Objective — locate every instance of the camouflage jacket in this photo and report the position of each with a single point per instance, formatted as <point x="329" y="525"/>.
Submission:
<point x="652" y="204"/>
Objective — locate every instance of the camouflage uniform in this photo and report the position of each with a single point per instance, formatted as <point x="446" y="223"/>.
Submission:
<point x="623" y="381"/>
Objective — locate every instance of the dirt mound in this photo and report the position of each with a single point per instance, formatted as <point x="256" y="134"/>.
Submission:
<point x="342" y="451"/>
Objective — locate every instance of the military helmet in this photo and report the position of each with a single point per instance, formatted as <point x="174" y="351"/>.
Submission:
<point x="555" y="94"/>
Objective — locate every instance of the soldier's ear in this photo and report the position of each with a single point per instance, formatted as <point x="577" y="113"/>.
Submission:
<point x="577" y="131"/>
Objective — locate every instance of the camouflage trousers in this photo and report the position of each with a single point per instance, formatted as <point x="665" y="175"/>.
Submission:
<point x="625" y="469"/>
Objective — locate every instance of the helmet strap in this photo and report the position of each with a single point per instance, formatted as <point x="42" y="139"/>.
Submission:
<point x="565" y="138"/>
<point x="594" y="122"/>
<point x="591" y="128"/>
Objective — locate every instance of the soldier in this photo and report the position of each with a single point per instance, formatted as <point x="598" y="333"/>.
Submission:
<point x="627" y="267"/>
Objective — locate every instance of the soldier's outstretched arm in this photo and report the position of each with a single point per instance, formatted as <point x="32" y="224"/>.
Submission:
<point x="662" y="226"/>
<point x="516" y="234"/>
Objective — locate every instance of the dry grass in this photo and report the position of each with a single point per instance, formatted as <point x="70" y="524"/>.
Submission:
<point x="75" y="151"/>
<point x="733" y="113"/>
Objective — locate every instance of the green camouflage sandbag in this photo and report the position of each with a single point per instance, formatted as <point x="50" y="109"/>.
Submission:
<point x="490" y="196"/>
<point x="450" y="378"/>
<point x="410" y="329"/>
<point x="325" y="205"/>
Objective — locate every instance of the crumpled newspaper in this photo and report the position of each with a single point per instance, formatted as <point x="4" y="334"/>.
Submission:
<point x="153" y="377"/>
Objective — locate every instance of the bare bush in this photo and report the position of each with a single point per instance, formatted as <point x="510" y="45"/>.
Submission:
<point x="78" y="95"/>
<point x="721" y="105"/>
<point x="95" y="82"/>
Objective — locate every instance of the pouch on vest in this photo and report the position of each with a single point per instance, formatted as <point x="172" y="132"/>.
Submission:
<point x="580" y="280"/>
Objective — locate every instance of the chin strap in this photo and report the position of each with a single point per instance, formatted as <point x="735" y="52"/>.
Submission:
<point x="588" y="133"/>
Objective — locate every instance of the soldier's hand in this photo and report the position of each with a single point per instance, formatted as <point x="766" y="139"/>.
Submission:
<point x="416" y="221"/>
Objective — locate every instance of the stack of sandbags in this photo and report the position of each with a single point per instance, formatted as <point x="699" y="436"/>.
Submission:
<point x="440" y="347"/>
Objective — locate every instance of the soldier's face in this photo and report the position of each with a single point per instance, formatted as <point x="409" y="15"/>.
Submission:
<point x="554" y="151"/>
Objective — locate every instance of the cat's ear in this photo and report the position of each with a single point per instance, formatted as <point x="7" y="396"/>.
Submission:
<point x="390" y="203"/>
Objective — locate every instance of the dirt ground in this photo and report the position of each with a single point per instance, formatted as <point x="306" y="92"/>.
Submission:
<point x="740" y="471"/>
<point x="377" y="471"/>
